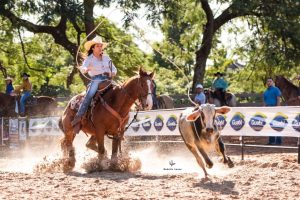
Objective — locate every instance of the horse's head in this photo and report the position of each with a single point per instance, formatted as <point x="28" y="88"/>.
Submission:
<point x="145" y="86"/>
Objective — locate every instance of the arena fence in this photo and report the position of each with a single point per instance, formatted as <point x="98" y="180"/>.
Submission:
<point x="160" y="124"/>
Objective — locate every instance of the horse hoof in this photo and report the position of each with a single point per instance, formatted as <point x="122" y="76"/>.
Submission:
<point x="230" y="163"/>
<point x="209" y="165"/>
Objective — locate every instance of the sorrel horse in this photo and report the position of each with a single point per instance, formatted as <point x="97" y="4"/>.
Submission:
<point x="212" y="98"/>
<point x="40" y="105"/>
<point x="107" y="117"/>
<point x="288" y="89"/>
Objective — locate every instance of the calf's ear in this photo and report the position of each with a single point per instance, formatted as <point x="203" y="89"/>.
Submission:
<point x="193" y="116"/>
<point x="223" y="110"/>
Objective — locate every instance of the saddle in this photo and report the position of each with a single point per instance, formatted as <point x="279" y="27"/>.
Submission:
<point x="217" y="94"/>
<point x="103" y="88"/>
<point x="31" y="101"/>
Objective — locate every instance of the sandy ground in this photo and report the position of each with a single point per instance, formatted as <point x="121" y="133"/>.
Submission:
<point x="271" y="174"/>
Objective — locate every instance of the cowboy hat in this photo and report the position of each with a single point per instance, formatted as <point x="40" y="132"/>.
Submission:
<point x="199" y="86"/>
<point x="8" y="79"/>
<point x="25" y="74"/>
<point x="219" y="73"/>
<point x="96" y="40"/>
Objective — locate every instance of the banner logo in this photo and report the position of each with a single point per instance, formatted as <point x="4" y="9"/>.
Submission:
<point x="147" y="125"/>
<point x="279" y="122"/>
<point x="237" y="122"/>
<point x="258" y="121"/>
<point x="158" y="123"/>
<point x="172" y="123"/>
<point x="135" y="125"/>
<point x="296" y="123"/>
<point x="220" y="121"/>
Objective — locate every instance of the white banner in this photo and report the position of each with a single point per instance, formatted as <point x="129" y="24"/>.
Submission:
<point x="13" y="133"/>
<point x="240" y="121"/>
<point x="47" y="126"/>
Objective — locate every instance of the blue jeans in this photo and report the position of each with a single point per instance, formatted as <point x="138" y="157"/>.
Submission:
<point x="24" y="96"/>
<point x="96" y="80"/>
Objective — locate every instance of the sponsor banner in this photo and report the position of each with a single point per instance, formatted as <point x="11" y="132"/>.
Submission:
<point x="47" y="126"/>
<point x="240" y="121"/>
<point x="13" y="133"/>
<point x="154" y="122"/>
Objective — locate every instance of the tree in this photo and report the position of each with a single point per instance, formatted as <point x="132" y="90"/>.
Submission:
<point x="284" y="13"/>
<point x="58" y="20"/>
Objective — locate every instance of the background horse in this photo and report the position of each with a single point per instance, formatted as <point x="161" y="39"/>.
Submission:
<point x="288" y="89"/>
<point x="108" y="116"/>
<point x="164" y="102"/>
<point x="212" y="99"/>
<point x="40" y="105"/>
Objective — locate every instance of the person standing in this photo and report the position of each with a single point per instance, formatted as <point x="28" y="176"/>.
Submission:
<point x="100" y="68"/>
<point x="200" y="96"/>
<point x="272" y="98"/>
<point x="26" y="88"/>
<point x="9" y="86"/>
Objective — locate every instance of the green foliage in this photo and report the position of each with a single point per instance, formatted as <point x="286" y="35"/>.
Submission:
<point x="273" y="48"/>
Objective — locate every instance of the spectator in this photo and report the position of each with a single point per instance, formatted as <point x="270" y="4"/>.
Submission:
<point x="272" y="98"/>
<point x="9" y="86"/>
<point x="200" y="96"/>
<point x="220" y="85"/>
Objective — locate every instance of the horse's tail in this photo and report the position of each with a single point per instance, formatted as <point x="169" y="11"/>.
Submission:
<point x="60" y="124"/>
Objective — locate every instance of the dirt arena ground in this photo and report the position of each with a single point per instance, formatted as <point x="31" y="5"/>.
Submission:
<point x="264" y="174"/>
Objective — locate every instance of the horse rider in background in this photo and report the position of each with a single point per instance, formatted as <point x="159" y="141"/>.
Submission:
<point x="26" y="89"/>
<point x="9" y="86"/>
<point x="200" y="97"/>
<point x="220" y="85"/>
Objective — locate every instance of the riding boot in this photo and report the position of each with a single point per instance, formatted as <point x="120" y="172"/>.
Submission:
<point x="77" y="128"/>
<point x="76" y="120"/>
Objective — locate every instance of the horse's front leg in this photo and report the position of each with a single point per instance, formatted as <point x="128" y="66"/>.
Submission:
<point x="68" y="151"/>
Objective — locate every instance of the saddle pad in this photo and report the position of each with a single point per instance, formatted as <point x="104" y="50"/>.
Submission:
<point x="76" y="101"/>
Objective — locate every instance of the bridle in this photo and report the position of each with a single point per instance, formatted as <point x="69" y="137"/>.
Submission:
<point x="140" y="96"/>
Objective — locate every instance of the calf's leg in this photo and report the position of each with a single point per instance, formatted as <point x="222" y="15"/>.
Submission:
<point x="193" y="149"/>
<point x="209" y="163"/>
<point x="220" y="148"/>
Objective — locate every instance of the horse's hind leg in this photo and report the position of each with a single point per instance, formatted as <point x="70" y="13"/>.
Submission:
<point x="100" y="140"/>
<point x="220" y="148"/>
<point x="92" y="143"/>
<point x="68" y="151"/>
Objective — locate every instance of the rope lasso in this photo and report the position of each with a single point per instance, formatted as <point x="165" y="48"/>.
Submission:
<point x="80" y="44"/>
<point x="169" y="60"/>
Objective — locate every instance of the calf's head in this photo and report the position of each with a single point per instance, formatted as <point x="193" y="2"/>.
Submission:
<point x="207" y="114"/>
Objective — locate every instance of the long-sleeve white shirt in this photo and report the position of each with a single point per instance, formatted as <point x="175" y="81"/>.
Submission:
<point x="97" y="66"/>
